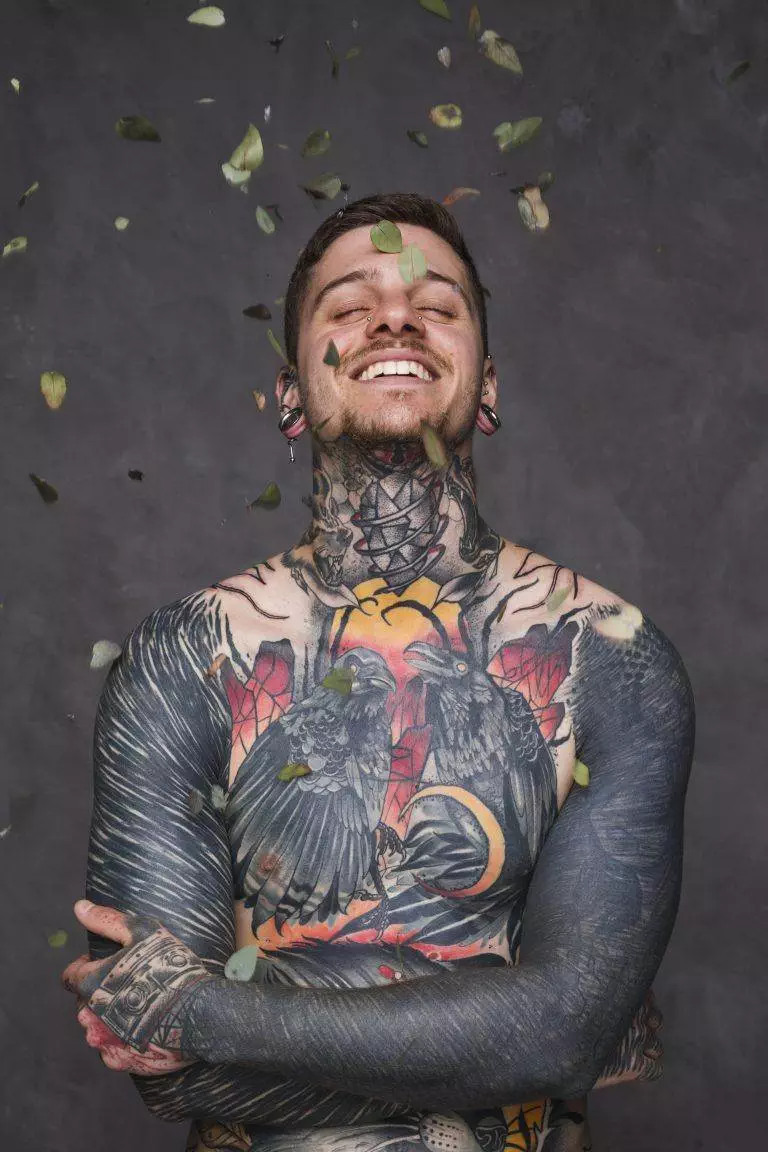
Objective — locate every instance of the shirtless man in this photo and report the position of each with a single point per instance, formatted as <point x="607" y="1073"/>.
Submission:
<point x="436" y="778"/>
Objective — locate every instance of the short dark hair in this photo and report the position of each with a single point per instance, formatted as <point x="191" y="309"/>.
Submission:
<point x="400" y="208"/>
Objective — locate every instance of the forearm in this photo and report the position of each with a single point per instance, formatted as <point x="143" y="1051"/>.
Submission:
<point x="460" y="1040"/>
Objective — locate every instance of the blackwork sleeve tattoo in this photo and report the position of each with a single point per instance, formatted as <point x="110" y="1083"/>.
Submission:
<point x="158" y="847"/>
<point x="599" y="913"/>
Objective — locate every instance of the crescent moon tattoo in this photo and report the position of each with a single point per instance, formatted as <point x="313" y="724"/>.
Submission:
<point x="490" y="826"/>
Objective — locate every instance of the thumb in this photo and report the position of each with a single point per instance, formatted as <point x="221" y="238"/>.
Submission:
<point x="104" y="921"/>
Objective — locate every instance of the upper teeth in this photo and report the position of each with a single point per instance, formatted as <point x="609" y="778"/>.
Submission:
<point x="395" y="368"/>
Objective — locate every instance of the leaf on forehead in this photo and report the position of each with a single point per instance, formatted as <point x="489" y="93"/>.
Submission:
<point x="417" y="138"/>
<point x="316" y="143"/>
<point x="387" y="237"/>
<point x="444" y="56"/>
<point x="26" y="195"/>
<point x="54" y="388"/>
<point x="412" y="263"/>
<point x="325" y="187"/>
<point x="136" y="128"/>
<point x="512" y="134"/>
<point x="581" y="773"/>
<point x="260" y="398"/>
<point x="258" y="312"/>
<point x="458" y="193"/>
<point x="293" y="770"/>
<point x="46" y="490"/>
<point x="433" y="446"/>
<point x="18" y="244"/>
<point x="104" y="653"/>
<point x="135" y="474"/>
<point x="501" y="52"/>
<point x="437" y="7"/>
<point x="473" y="24"/>
<point x="339" y="680"/>
<point x="264" y="220"/>
<point x="332" y="355"/>
<point x="210" y="17"/>
<point x="58" y="939"/>
<point x="446" y="115"/>
<point x="276" y="344"/>
<point x="269" y="498"/>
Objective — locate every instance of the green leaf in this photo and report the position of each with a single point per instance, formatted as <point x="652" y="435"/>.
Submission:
<point x="16" y="85"/>
<point x="433" y="446"/>
<point x="332" y="355"/>
<point x="258" y="312"/>
<point x="242" y="964"/>
<point x="104" y="653"/>
<point x="249" y="154"/>
<point x="446" y="115"/>
<point x="269" y="498"/>
<point x="210" y="16"/>
<point x="325" y="187"/>
<point x="218" y="797"/>
<point x="121" y="223"/>
<point x="264" y="220"/>
<point x="581" y="773"/>
<point x="136" y="128"/>
<point x="18" y="244"/>
<point x="387" y="237"/>
<point x="512" y="134"/>
<point x="316" y="143"/>
<point x="437" y="8"/>
<point x="339" y="680"/>
<point x="556" y="599"/>
<point x="473" y="24"/>
<point x="276" y="344"/>
<point x="739" y="70"/>
<point x="417" y="138"/>
<point x="292" y="770"/>
<point x="58" y="939"/>
<point x="412" y="263"/>
<point x="26" y="195"/>
<point x="501" y="52"/>
<point x="54" y="388"/>
<point x="352" y="52"/>
<point x="46" y="490"/>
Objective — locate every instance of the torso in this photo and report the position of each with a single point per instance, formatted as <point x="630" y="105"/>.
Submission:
<point x="405" y="835"/>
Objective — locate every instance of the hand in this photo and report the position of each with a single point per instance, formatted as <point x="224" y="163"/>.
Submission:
<point x="134" y="1004"/>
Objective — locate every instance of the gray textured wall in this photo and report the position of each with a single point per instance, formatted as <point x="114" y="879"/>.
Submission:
<point x="630" y="345"/>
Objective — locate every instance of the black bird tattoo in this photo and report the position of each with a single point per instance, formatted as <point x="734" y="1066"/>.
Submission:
<point x="302" y="847"/>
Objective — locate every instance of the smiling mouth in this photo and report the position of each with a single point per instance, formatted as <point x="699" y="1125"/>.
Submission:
<point x="418" y="374"/>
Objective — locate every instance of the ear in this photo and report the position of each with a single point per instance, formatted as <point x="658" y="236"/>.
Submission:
<point x="288" y="396"/>
<point x="490" y="388"/>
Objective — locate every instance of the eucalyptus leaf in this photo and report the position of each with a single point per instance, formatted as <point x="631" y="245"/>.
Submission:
<point x="444" y="56"/>
<point x="137" y="128"/>
<point x="275" y="344"/>
<point x="260" y="398"/>
<point x="264" y="220"/>
<point x="58" y="939"/>
<point x="473" y="24"/>
<point x="332" y="355"/>
<point x="242" y="964"/>
<point x="500" y="51"/>
<point x="556" y="599"/>
<point x="459" y="194"/>
<point x="26" y="195"/>
<point x="135" y="474"/>
<point x="210" y="16"/>
<point x="206" y="100"/>
<point x="18" y="244"/>
<point x="434" y="447"/>
<point x="54" y="388"/>
<point x="46" y="490"/>
<point x="325" y="187"/>
<point x="218" y="797"/>
<point x="339" y="680"/>
<point x="533" y="211"/>
<point x="293" y="770"/>
<point x="446" y="115"/>
<point x="412" y="263"/>
<point x="195" y="802"/>
<point x="104" y="653"/>
<point x="121" y="223"/>
<point x="511" y="134"/>
<point x="236" y="177"/>
<point x="258" y="312"/>
<point x="387" y="237"/>
<point x="581" y="773"/>
<point x="417" y="138"/>
<point x="249" y="154"/>
<point x="316" y="143"/>
<point x="437" y="7"/>
<point x="269" y="498"/>
<point x="16" y="85"/>
<point x="739" y="70"/>
<point x="352" y="52"/>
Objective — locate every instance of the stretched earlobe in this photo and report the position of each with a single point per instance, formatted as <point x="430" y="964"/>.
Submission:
<point x="487" y="420"/>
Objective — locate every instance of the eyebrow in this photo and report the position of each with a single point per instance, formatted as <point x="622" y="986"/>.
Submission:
<point x="368" y="274"/>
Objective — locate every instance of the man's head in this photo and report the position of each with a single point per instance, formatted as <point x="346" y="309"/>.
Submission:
<point x="345" y="290"/>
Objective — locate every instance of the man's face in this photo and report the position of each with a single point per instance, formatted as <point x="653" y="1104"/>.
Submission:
<point x="429" y="317"/>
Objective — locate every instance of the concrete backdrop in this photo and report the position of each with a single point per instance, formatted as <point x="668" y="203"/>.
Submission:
<point x="630" y="344"/>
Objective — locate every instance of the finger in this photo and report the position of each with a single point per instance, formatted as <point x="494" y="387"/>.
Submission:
<point x="104" y="921"/>
<point x="73" y="974"/>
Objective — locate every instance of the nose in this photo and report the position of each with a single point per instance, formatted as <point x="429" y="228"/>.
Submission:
<point x="397" y="317"/>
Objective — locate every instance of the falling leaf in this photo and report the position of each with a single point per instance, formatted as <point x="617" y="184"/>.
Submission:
<point x="339" y="680"/>
<point x="235" y="177"/>
<point x="267" y="113"/>
<point x="136" y="128"/>
<point x="437" y="7"/>
<point x="5" y="831"/>
<point x="444" y="56"/>
<point x="500" y="51"/>
<point x="195" y="802"/>
<point x="264" y="220"/>
<point x="291" y="771"/>
<point x="332" y="355"/>
<point x="581" y="773"/>
<point x="46" y="490"/>
<point x="26" y="195"/>
<point x="474" y="25"/>
<point x="18" y="244"/>
<point x="620" y="625"/>
<point x="121" y="223"/>
<point x="533" y="211"/>
<point x="58" y="939"/>
<point x="249" y="154"/>
<point x="135" y="474"/>
<point x="54" y="388"/>
<point x="325" y="187"/>
<point x="260" y="398"/>
<point x="417" y="137"/>
<point x="739" y="70"/>
<point x="446" y="115"/>
<point x="512" y="134"/>
<point x="434" y="447"/>
<point x="352" y="52"/>
<point x="218" y="797"/>
<point x="412" y="263"/>
<point x="258" y="312"/>
<point x="279" y="300"/>
<point x="457" y="194"/>
<point x="242" y="964"/>
<point x="213" y="668"/>
<point x="316" y="143"/>
<point x="334" y="60"/>
<point x="277" y="42"/>
<point x="275" y="344"/>
<point x="16" y="85"/>
<point x="205" y="100"/>
<point x="210" y="16"/>
<point x="387" y="237"/>
<point x="545" y="180"/>
<point x="269" y="498"/>
<point x="104" y="653"/>
<point x="556" y="599"/>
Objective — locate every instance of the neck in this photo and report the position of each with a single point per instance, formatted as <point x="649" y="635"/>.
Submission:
<point x="387" y="512"/>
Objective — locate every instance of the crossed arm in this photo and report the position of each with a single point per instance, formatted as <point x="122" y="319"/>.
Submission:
<point x="599" y="912"/>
